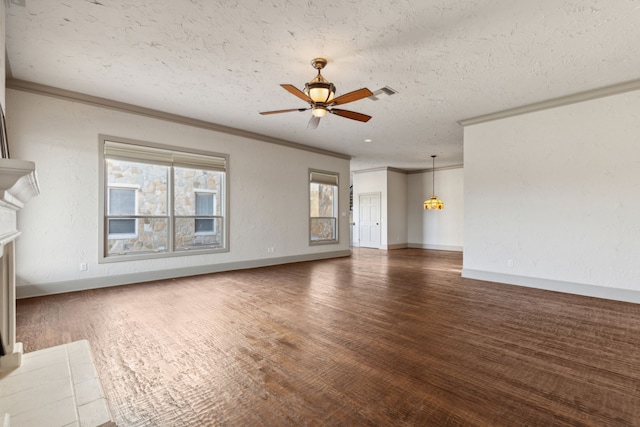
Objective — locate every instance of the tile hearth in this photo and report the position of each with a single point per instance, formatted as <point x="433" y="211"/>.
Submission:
<point x="57" y="386"/>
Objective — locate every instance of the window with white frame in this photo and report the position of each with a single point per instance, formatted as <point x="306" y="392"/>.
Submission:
<point x="161" y="201"/>
<point x="323" y="207"/>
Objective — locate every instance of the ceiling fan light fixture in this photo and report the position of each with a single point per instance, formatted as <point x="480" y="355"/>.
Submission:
<point x="320" y="95"/>
<point x="319" y="111"/>
<point x="320" y="91"/>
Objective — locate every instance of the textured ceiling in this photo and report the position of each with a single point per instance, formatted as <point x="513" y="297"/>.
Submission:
<point x="222" y="61"/>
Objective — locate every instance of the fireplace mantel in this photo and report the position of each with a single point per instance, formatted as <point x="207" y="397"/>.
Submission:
<point x="18" y="184"/>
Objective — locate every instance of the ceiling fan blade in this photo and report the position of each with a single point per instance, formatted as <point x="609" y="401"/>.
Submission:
<point x="313" y="122"/>
<point x="352" y="96"/>
<point x="350" y="115"/>
<point x="297" y="92"/>
<point x="283" y="111"/>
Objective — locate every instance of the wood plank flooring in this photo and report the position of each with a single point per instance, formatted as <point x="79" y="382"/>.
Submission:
<point x="381" y="338"/>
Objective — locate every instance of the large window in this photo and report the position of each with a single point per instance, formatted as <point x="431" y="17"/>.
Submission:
<point x="323" y="207"/>
<point x="161" y="201"/>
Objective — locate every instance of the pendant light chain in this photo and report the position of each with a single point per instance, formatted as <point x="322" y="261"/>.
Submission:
<point x="433" y="203"/>
<point x="433" y="175"/>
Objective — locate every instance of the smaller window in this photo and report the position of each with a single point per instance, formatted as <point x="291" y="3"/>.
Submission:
<point x="121" y="203"/>
<point x="323" y="207"/>
<point x="205" y="207"/>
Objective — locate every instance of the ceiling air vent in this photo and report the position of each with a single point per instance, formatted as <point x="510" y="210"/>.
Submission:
<point x="383" y="90"/>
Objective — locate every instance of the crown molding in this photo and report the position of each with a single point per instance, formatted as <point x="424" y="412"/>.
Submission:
<point x="68" y="95"/>
<point x="382" y="168"/>
<point x="556" y="102"/>
<point x="398" y="170"/>
<point x="440" y="168"/>
<point x="408" y="172"/>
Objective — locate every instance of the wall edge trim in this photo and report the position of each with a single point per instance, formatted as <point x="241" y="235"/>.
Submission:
<point x="43" y="289"/>
<point x="381" y="168"/>
<point x="435" y="247"/>
<point x="397" y="246"/>
<point x="441" y="168"/>
<point x="594" y="291"/>
<point x="588" y="95"/>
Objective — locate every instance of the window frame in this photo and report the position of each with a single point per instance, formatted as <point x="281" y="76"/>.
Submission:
<point x="316" y="176"/>
<point x="170" y="251"/>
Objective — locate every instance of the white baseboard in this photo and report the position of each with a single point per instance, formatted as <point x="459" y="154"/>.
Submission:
<point x="36" y="290"/>
<point x="616" y="294"/>
<point x="435" y="247"/>
<point x="397" y="246"/>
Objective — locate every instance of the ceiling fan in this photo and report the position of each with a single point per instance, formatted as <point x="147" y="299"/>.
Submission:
<point x="319" y="94"/>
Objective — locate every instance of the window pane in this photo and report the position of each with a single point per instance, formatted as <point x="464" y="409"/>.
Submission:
<point x="204" y="225"/>
<point x="122" y="201"/>
<point x="323" y="208"/>
<point x="122" y="226"/>
<point x="323" y="229"/>
<point x="188" y="238"/>
<point x="153" y="236"/>
<point x="204" y="203"/>
<point x="188" y="186"/>
<point x="323" y="199"/>
<point x="151" y="182"/>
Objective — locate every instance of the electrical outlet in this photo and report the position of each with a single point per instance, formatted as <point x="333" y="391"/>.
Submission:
<point x="510" y="263"/>
<point x="84" y="266"/>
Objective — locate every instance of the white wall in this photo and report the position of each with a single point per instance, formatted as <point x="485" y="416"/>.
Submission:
<point x="436" y="229"/>
<point x="269" y="195"/>
<point x="557" y="192"/>
<point x="397" y="210"/>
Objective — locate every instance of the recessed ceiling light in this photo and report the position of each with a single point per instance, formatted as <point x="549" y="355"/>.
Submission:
<point x="368" y="140"/>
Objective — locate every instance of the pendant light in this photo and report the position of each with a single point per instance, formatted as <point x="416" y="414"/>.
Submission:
<point x="433" y="203"/>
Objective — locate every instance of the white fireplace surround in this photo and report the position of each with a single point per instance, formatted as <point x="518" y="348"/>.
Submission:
<point x="18" y="184"/>
<point x="57" y="386"/>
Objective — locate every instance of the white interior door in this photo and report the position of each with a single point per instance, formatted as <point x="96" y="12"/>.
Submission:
<point x="369" y="226"/>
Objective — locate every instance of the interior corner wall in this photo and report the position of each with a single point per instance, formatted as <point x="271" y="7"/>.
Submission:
<point x="441" y="230"/>
<point x="397" y="210"/>
<point x="551" y="198"/>
<point x="269" y="196"/>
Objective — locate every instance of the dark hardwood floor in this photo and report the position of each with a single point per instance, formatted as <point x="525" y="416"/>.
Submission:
<point x="381" y="338"/>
